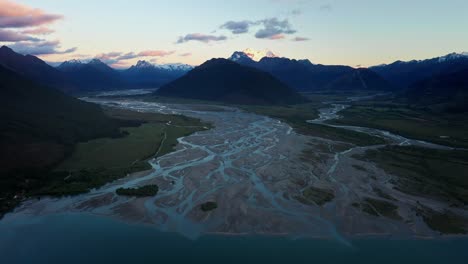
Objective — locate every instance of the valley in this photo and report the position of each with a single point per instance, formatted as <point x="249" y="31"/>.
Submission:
<point x="267" y="176"/>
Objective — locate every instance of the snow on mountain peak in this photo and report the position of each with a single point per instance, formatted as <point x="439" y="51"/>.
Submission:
<point x="257" y="55"/>
<point x="175" y="66"/>
<point x="453" y="56"/>
<point x="143" y="64"/>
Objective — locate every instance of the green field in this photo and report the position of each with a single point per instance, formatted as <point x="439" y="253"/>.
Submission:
<point x="297" y="115"/>
<point x="431" y="173"/>
<point x="440" y="128"/>
<point x="96" y="162"/>
<point x="440" y="174"/>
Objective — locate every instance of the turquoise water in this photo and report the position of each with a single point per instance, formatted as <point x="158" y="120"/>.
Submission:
<point x="80" y="238"/>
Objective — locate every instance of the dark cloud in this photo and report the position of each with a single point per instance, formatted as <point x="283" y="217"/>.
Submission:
<point x="273" y="28"/>
<point x="40" y="48"/>
<point x="200" y="37"/>
<point x="13" y="36"/>
<point x="238" y="27"/>
<point x="187" y="54"/>
<point x="300" y="39"/>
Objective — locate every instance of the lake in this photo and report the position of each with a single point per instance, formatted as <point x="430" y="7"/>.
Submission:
<point x="82" y="238"/>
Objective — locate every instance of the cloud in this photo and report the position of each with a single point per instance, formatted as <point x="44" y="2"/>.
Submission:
<point x="155" y="53"/>
<point x="127" y="56"/>
<point x="119" y="58"/>
<point x="13" y="36"/>
<point x="187" y="54"/>
<point x="326" y="7"/>
<point x="38" y="31"/>
<point x="40" y="48"/>
<point x="200" y="37"/>
<point x="237" y="27"/>
<point x="277" y="36"/>
<point x="14" y="15"/>
<point x="300" y="39"/>
<point x="273" y="28"/>
<point x="296" y="12"/>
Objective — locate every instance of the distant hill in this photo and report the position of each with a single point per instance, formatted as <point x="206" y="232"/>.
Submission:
<point x="35" y="69"/>
<point x="147" y="75"/>
<point x="360" y="80"/>
<point x="403" y="74"/>
<point x="445" y="92"/>
<point x="301" y="75"/>
<point x="226" y="81"/>
<point x="93" y="76"/>
<point x="40" y="125"/>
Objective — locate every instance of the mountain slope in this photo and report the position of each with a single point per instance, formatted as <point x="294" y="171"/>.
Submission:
<point x="227" y="81"/>
<point x="38" y="120"/>
<point x="360" y="80"/>
<point x="403" y="74"/>
<point x="35" y="69"/>
<point x="447" y="92"/>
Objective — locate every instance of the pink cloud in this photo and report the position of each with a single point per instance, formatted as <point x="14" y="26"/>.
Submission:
<point x="38" y="31"/>
<point x="155" y="53"/>
<point x="276" y="36"/>
<point x="14" y="15"/>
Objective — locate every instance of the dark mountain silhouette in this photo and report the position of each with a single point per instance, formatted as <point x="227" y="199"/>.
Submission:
<point x="227" y="81"/>
<point x="301" y="75"/>
<point x="35" y="69"/>
<point x="40" y="124"/>
<point x="403" y="74"/>
<point x="360" y="79"/>
<point x="93" y="76"/>
<point x="447" y="92"/>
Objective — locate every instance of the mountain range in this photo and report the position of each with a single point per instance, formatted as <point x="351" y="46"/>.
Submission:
<point x="302" y="75"/>
<point x="305" y="76"/>
<point x="405" y="73"/>
<point x="145" y="74"/>
<point x="75" y="76"/>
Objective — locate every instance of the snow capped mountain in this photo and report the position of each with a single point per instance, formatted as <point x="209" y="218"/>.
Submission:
<point x="242" y="58"/>
<point x="175" y="66"/>
<point x="453" y="56"/>
<point x="70" y="65"/>
<point x="142" y="64"/>
<point x="449" y="57"/>
<point x="257" y="55"/>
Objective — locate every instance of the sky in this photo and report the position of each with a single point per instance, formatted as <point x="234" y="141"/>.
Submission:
<point x="358" y="33"/>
